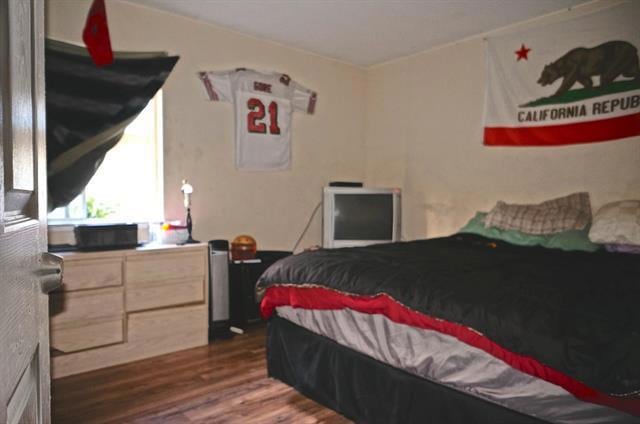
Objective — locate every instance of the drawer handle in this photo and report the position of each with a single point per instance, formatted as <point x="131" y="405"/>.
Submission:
<point x="50" y="272"/>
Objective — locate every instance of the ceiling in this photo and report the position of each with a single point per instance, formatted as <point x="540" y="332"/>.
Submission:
<point x="361" y="32"/>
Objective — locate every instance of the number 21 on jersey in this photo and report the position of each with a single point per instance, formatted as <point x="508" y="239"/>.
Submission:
<point x="256" y="115"/>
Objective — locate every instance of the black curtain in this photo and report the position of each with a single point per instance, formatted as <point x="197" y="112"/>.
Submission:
<point x="88" y="109"/>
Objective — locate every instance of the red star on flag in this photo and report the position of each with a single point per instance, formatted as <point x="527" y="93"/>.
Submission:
<point x="523" y="53"/>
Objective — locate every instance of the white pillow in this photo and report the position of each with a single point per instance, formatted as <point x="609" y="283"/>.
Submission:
<point x="617" y="223"/>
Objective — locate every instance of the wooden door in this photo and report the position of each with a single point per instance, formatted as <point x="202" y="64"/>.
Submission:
<point x="24" y="278"/>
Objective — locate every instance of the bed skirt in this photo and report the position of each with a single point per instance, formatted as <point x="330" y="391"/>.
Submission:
<point x="368" y="391"/>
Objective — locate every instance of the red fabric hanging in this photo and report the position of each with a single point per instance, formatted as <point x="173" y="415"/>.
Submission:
<point x="96" y="34"/>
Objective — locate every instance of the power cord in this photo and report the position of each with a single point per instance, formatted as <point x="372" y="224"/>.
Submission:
<point x="306" y="228"/>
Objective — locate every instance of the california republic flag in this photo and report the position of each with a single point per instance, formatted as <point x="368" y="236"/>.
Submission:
<point x="577" y="81"/>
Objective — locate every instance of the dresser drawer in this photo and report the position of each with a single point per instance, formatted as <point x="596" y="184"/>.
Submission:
<point x="87" y="334"/>
<point x="163" y="325"/>
<point x="85" y="305"/>
<point x="91" y="274"/>
<point x="166" y="266"/>
<point x="164" y="293"/>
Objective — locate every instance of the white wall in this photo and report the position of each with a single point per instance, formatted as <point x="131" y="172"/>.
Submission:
<point x="421" y="118"/>
<point x="199" y="137"/>
<point x="424" y="134"/>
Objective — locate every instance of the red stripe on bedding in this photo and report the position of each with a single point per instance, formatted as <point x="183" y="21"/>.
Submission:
<point x="322" y="298"/>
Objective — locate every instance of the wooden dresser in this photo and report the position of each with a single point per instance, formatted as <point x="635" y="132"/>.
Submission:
<point x="124" y="305"/>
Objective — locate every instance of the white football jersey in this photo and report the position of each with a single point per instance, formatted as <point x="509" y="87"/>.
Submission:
<point x="264" y="103"/>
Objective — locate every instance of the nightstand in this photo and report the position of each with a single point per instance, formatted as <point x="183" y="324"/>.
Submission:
<point x="243" y="276"/>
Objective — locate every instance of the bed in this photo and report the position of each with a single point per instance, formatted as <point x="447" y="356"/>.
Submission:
<point x="458" y="329"/>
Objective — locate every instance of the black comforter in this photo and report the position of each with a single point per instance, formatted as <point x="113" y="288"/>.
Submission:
<point x="576" y="312"/>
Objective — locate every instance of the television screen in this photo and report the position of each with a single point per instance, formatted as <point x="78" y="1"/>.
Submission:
<point x="363" y="217"/>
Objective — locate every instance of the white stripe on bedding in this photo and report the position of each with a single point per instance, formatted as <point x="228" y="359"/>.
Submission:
<point x="446" y="360"/>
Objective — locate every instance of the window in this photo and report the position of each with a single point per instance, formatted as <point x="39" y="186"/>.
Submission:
<point x="128" y="185"/>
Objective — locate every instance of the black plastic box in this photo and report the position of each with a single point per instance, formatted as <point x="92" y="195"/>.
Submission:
<point x="106" y="237"/>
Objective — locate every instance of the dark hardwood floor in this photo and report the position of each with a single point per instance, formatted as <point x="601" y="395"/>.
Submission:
<point x="224" y="382"/>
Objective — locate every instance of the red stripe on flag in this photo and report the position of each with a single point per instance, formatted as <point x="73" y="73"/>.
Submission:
<point x="555" y="135"/>
<point x="322" y="298"/>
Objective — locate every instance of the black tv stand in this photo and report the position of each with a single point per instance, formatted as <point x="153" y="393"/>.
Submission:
<point x="243" y="276"/>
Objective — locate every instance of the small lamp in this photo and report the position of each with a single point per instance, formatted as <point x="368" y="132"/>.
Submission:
<point x="187" y="190"/>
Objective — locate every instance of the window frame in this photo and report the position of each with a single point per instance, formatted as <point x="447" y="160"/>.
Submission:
<point x="157" y="214"/>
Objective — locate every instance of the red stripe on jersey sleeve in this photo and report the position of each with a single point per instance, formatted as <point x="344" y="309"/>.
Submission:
<point x="211" y="92"/>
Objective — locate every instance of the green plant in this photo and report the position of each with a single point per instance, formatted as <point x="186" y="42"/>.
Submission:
<point x="97" y="210"/>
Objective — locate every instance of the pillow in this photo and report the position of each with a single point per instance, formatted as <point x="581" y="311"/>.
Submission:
<point x="567" y="240"/>
<point x="571" y="212"/>
<point x="617" y="223"/>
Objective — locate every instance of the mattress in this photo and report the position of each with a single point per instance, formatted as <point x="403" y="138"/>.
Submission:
<point x="366" y="390"/>
<point x="548" y="333"/>
<point x="444" y="359"/>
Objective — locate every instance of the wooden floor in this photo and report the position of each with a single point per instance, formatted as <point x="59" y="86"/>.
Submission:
<point x="225" y="382"/>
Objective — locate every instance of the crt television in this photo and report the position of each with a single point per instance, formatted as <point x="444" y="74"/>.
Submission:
<point x="357" y="216"/>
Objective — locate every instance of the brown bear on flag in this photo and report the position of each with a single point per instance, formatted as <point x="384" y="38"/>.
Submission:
<point x="608" y="61"/>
